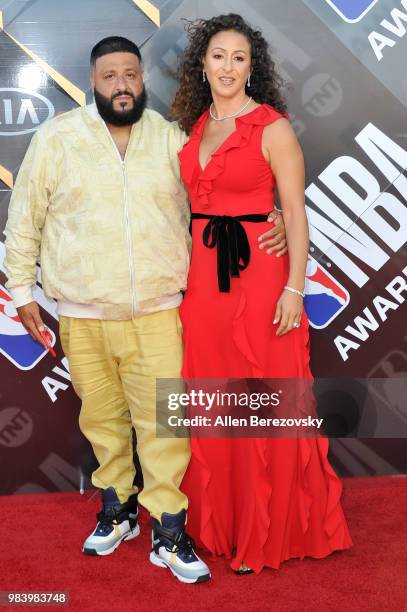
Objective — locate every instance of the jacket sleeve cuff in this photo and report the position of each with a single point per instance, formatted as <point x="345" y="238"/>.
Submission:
<point x="21" y="295"/>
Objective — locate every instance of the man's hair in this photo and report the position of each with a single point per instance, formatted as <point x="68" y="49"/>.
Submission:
<point x="113" y="44"/>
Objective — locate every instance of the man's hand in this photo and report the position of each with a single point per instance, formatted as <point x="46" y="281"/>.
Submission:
<point x="274" y="240"/>
<point x="31" y="319"/>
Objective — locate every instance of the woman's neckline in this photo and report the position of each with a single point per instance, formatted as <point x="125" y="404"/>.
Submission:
<point x="202" y="169"/>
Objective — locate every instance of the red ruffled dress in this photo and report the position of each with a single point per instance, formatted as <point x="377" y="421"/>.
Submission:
<point x="256" y="500"/>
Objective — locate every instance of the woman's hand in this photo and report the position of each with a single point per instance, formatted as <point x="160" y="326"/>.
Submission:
<point x="288" y="312"/>
<point x="274" y="240"/>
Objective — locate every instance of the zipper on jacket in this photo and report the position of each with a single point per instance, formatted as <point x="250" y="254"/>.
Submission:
<point x="126" y="220"/>
<point x="129" y="239"/>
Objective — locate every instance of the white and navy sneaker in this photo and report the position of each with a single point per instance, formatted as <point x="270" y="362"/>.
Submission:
<point x="174" y="549"/>
<point x="116" y="522"/>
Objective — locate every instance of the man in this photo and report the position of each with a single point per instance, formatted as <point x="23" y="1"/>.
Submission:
<point x="99" y="196"/>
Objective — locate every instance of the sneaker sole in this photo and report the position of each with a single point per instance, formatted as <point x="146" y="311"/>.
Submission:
<point x="158" y="562"/>
<point x="102" y="553"/>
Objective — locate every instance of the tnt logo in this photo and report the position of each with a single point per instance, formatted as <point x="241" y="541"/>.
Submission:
<point x="352" y="10"/>
<point x="16" y="427"/>
<point x="324" y="298"/>
<point x="15" y="343"/>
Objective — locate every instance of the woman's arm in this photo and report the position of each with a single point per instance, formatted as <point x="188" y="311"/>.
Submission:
<point x="284" y="154"/>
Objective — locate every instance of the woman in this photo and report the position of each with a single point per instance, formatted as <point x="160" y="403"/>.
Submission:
<point x="258" y="501"/>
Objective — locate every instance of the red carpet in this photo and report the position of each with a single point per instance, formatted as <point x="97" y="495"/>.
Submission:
<point x="40" y="550"/>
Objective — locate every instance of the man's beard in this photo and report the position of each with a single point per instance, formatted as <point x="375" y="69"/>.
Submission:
<point x="122" y="117"/>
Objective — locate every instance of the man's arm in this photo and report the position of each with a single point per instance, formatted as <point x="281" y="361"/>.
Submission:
<point x="26" y="217"/>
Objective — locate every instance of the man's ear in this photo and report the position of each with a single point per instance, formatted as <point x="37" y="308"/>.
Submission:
<point x="92" y="77"/>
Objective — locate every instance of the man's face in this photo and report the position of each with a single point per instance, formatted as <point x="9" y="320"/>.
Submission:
<point x="117" y="82"/>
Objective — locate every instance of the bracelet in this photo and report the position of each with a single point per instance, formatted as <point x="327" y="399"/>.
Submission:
<point x="301" y="293"/>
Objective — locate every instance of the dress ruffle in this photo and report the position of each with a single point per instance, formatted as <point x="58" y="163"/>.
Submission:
<point x="200" y="181"/>
<point x="241" y="337"/>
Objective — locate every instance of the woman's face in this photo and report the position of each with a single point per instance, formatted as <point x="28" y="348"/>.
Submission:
<point x="227" y="63"/>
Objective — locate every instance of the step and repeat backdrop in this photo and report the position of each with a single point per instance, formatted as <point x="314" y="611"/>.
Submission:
<point x="346" y="84"/>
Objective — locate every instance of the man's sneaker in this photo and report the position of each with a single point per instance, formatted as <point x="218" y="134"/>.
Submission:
<point x="174" y="549"/>
<point x="116" y="522"/>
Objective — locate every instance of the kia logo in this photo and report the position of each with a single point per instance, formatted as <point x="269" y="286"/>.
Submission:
<point x="22" y="111"/>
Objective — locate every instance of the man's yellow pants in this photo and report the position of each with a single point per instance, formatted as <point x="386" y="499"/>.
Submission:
<point x="114" y="366"/>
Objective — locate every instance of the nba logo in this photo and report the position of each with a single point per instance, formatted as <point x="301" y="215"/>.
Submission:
<point x="352" y="10"/>
<point x="15" y="342"/>
<point x="324" y="298"/>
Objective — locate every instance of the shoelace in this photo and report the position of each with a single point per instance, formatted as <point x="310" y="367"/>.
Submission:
<point x="183" y="543"/>
<point x="106" y="519"/>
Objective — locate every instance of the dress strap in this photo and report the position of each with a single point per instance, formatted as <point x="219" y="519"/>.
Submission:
<point x="228" y="235"/>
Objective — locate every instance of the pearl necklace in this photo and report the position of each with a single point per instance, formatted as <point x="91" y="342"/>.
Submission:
<point x="228" y="116"/>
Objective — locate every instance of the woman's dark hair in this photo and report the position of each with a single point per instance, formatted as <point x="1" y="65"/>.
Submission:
<point x="194" y="96"/>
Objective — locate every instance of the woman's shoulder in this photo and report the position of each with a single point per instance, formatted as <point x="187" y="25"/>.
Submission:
<point x="263" y="114"/>
<point x="279" y="137"/>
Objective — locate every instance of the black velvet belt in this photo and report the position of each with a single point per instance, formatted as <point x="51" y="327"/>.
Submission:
<point x="230" y="238"/>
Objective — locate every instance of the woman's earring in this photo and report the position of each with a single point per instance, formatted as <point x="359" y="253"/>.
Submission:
<point x="203" y="76"/>
<point x="248" y="81"/>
